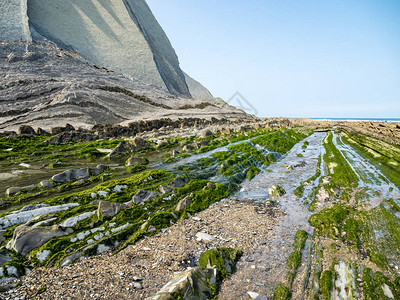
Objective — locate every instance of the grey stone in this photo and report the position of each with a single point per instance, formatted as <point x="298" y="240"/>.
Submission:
<point x="190" y="283"/>
<point x="141" y="144"/>
<point x="46" y="183"/>
<point x="71" y="222"/>
<point x="26" y="238"/>
<point x="24" y="216"/>
<point x="12" y="191"/>
<point x="178" y="182"/>
<point x="256" y="296"/>
<point x="134" y="161"/>
<point x="206" y="133"/>
<point x="143" y="196"/>
<point x="185" y="202"/>
<point x="108" y="209"/>
<point x="121" y="149"/>
<point x="205" y="237"/>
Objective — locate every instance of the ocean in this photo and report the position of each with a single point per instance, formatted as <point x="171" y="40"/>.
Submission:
<point x="388" y="120"/>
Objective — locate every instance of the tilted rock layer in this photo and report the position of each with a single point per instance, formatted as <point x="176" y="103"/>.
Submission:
<point x="89" y="62"/>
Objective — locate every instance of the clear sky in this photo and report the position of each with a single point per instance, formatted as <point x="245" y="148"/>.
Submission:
<point x="293" y="58"/>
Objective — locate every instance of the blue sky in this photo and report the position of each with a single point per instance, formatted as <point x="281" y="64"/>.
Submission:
<point x="293" y="58"/>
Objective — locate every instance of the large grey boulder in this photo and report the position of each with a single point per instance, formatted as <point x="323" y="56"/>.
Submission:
<point x="26" y="238"/>
<point x="109" y="209"/>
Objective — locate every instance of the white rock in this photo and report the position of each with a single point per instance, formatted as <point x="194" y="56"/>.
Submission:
<point x="90" y="241"/>
<point x="101" y="248"/>
<point x="11" y="270"/>
<point x="119" y="188"/>
<point x="25" y="216"/>
<point x="99" y="236"/>
<point x="71" y="222"/>
<point x="43" y="255"/>
<point x="103" y="193"/>
<point x="205" y="237"/>
<point x="120" y="227"/>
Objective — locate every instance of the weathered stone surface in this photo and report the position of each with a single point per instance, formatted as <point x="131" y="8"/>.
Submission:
<point x="195" y="283"/>
<point x="188" y="148"/>
<point x="205" y="237"/>
<point x="83" y="173"/>
<point x="71" y="136"/>
<point x="179" y="182"/>
<point x="22" y="216"/>
<point x="134" y="161"/>
<point x="108" y="209"/>
<point x="46" y="183"/>
<point x="185" y="202"/>
<point x="26" y="238"/>
<point x="141" y="144"/>
<point x="71" y="222"/>
<point x="206" y="133"/>
<point x="143" y="196"/>
<point x="12" y="191"/>
<point x="121" y="149"/>
<point x="26" y="129"/>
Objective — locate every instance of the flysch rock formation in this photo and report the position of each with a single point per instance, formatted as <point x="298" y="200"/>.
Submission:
<point x="92" y="61"/>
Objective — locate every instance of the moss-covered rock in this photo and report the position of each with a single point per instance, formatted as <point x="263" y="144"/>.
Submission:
<point x="224" y="259"/>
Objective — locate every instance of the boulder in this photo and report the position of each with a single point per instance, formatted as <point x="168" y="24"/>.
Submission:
<point x="121" y="149"/>
<point x="46" y="183"/>
<point x="197" y="283"/>
<point x="143" y="196"/>
<point x="179" y="182"/>
<point x="185" y="202"/>
<point x="26" y="238"/>
<point x="98" y="170"/>
<point x="109" y="209"/>
<point x="206" y="133"/>
<point x="141" y="144"/>
<point x="205" y="237"/>
<point x="64" y="176"/>
<point x="26" y="130"/>
<point x="135" y="161"/>
<point x="12" y="191"/>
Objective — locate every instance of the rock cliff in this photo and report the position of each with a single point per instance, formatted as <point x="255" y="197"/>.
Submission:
<point x="92" y="61"/>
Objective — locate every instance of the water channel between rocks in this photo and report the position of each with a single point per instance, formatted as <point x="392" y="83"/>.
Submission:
<point x="266" y="267"/>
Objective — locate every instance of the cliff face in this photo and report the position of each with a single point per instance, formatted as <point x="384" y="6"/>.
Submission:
<point x="88" y="62"/>
<point x="120" y="35"/>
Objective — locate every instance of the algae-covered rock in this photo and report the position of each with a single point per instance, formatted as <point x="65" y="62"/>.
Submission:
<point x="141" y="144"/>
<point x="108" y="209"/>
<point x="26" y="238"/>
<point x="197" y="283"/>
<point x="143" y="196"/>
<point x="224" y="259"/>
<point x="185" y="202"/>
<point x="136" y="161"/>
<point x="276" y="191"/>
